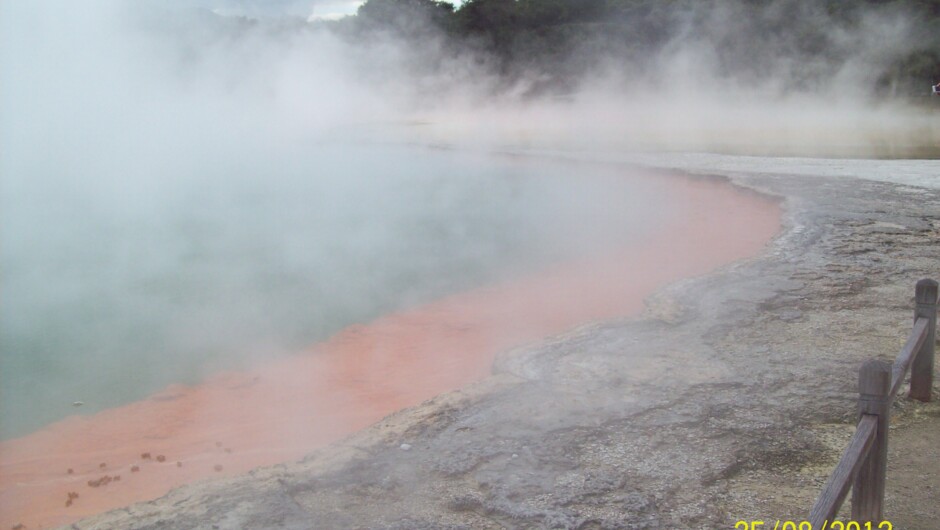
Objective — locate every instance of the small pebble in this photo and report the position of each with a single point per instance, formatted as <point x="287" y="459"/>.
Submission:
<point x="218" y="467"/>
<point x="102" y="465"/>
<point x="96" y="483"/>
<point x="103" y="481"/>
<point x="70" y="471"/>
<point x="179" y="464"/>
<point x="228" y="450"/>
<point x="218" y="444"/>
<point x="117" y="478"/>
<point x="161" y="458"/>
<point x="405" y="447"/>
<point x="145" y="456"/>
<point x="135" y="469"/>
<point x="514" y="455"/>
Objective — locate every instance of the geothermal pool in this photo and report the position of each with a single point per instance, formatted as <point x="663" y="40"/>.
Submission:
<point x="246" y="317"/>
<point x="115" y="289"/>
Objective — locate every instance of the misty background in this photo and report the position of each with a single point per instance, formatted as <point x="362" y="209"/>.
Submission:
<point x="191" y="187"/>
<point x="174" y="206"/>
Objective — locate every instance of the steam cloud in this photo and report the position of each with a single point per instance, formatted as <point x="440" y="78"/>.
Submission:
<point x="138" y="144"/>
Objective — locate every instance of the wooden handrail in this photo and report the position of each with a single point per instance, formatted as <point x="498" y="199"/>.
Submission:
<point x="837" y="487"/>
<point x="874" y="400"/>
<point x="864" y="463"/>
<point x="908" y="354"/>
<point x="925" y="299"/>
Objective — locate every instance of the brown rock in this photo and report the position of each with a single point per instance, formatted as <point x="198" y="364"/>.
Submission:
<point x="161" y="458"/>
<point x="103" y="481"/>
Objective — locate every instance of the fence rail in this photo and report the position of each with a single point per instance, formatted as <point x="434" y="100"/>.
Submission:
<point x="864" y="463"/>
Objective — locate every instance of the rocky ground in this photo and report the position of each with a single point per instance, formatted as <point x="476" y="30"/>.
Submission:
<point x="732" y="398"/>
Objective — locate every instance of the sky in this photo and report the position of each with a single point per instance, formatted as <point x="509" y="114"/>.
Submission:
<point x="312" y="9"/>
<point x="333" y="9"/>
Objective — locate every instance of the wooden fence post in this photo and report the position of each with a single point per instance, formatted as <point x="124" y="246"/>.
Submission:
<point x="922" y="369"/>
<point x="868" y="491"/>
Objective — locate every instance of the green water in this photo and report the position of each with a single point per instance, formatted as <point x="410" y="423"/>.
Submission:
<point x="114" y="286"/>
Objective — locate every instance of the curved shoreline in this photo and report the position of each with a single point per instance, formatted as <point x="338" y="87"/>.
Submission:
<point x="365" y="372"/>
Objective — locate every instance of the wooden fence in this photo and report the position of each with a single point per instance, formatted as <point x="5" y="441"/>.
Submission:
<point x="864" y="462"/>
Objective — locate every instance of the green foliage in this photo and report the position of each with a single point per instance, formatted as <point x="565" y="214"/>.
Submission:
<point x="406" y="17"/>
<point x="750" y="39"/>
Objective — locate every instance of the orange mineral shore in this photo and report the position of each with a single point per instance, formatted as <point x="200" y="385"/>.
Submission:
<point x="279" y="411"/>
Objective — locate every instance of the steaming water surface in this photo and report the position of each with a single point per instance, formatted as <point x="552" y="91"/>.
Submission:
<point x="114" y="290"/>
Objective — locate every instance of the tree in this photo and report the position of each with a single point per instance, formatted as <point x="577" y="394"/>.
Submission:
<point x="405" y="17"/>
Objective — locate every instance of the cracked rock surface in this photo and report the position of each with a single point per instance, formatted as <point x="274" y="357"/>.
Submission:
<point x="731" y="398"/>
